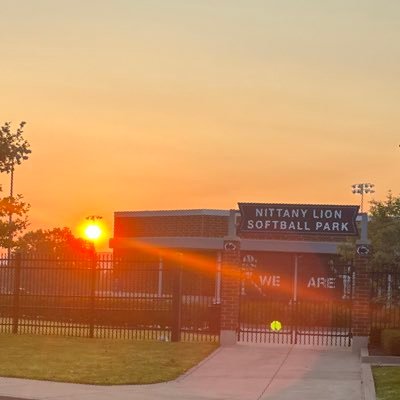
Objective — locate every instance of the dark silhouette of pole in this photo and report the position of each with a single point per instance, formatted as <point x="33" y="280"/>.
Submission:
<point x="10" y="215"/>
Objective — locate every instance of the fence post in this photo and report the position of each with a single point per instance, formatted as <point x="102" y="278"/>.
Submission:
<point x="17" y="284"/>
<point x="361" y="303"/>
<point x="93" y="264"/>
<point x="177" y="305"/>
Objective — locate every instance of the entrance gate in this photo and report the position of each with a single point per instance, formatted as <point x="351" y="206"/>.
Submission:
<point x="297" y="300"/>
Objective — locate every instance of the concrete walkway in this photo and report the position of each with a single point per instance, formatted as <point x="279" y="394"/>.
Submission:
<point x="244" y="371"/>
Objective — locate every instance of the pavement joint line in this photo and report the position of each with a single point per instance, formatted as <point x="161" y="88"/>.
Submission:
<point x="196" y="367"/>
<point x="13" y="398"/>
<point x="276" y="373"/>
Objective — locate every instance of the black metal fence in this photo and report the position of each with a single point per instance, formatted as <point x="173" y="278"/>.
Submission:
<point x="296" y="322"/>
<point x="385" y="298"/>
<point x="102" y="297"/>
<point x="298" y="314"/>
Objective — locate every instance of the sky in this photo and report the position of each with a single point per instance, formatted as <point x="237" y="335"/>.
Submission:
<point x="180" y="104"/>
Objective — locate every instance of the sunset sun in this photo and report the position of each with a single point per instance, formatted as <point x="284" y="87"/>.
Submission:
<point x="93" y="232"/>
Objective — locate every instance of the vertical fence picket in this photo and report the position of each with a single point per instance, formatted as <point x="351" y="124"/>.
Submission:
<point x="92" y="274"/>
<point x="177" y="305"/>
<point x="16" y="262"/>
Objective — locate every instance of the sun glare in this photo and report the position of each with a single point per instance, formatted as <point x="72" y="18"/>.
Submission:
<point x="93" y="232"/>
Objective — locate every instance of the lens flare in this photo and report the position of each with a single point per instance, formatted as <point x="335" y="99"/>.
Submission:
<point x="93" y="232"/>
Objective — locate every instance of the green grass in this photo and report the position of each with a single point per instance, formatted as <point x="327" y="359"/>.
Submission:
<point x="97" y="361"/>
<point x="387" y="382"/>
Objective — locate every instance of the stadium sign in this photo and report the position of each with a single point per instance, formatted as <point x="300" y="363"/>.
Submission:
<point x="301" y="219"/>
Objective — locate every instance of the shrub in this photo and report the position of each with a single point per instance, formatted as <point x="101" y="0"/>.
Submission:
<point x="390" y="341"/>
<point x="375" y="336"/>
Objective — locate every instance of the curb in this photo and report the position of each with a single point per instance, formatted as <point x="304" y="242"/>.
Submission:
<point x="367" y="379"/>
<point x="378" y="360"/>
<point x="367" y="383"/>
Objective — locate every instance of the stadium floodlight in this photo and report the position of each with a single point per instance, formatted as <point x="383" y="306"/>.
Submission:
<point x="362" y="188"/>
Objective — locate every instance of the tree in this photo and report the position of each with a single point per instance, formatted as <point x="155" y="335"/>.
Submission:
<point x="13" y="149"/>
<point x="384" y="231"/>
<point x="57" y="242"/>
<point x="9" y="231"/>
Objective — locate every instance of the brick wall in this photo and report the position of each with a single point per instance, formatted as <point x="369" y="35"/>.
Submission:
<point x="174" y="226"/>
<point x="230" y="288"/>
<point x="361" y="300"/>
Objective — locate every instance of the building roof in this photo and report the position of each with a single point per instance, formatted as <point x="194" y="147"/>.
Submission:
<point x="170" y="213"/>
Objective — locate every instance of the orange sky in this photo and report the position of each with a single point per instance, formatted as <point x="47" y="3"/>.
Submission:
<point x="140" y="105"/>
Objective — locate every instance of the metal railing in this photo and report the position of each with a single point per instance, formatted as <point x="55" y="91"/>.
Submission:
<point x="311" y="317"/>
<point x="102" y="297"/>
<point x="385" y="298"/>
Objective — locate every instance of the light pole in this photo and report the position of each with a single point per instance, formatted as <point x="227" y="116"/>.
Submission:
<point x="10" y="215"/>
<point x="363" y="188"/>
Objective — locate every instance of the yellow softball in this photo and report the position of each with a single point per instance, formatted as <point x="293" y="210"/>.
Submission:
<point x="276" y="326"/>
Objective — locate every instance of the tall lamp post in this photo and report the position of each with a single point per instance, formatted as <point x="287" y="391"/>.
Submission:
<point x="10" y="216"/>
<point x="361" y="189"/>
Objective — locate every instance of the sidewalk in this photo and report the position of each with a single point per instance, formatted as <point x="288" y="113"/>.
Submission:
<point x="241" y="372"/>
